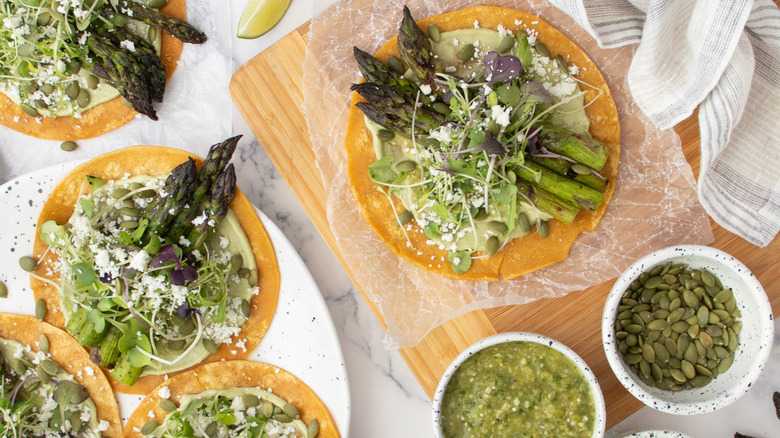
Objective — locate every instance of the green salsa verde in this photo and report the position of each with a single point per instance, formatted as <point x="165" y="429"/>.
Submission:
<point x="518" y="389"/>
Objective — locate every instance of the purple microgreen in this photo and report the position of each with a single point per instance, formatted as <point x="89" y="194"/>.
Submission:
<point x="190" y="273"/>
<point x="19" y="386"/>
<point x="184" y="310"/>
<point x="179" y="275"/>
<point x="501" y="68"/>
<point x="489" y="145"/>
<point x="536" y="89"/>
<point x="167" y="252"/>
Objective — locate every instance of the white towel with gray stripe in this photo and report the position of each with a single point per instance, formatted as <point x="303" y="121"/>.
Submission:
<point x="720" y="55"/>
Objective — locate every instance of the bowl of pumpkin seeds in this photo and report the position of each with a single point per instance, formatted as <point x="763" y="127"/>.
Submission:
<point x="687" y="329"/>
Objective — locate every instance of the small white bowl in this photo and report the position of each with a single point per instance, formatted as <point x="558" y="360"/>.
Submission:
<point x="656" y="433"/>
<point x="755" y="338"/>
<point x="598" y="398"/>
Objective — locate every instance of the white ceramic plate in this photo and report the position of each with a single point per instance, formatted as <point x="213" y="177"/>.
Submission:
<point x="301" y="338"/>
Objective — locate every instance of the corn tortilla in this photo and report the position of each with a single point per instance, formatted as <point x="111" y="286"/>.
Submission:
<point x="101" y="118"/>
<point x="236" y="374"/>
<point x="71" y="357"/>
<point x="520" y="256"/>
<point x="155" y="160"/>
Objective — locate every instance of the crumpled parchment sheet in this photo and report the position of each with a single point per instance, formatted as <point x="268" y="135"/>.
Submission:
<point x="654" y="204"/>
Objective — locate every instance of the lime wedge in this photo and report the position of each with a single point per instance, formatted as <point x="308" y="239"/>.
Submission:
<point x="260" y="16"/>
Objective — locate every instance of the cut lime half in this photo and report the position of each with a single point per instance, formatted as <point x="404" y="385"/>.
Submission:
<point x="260" y="16"/>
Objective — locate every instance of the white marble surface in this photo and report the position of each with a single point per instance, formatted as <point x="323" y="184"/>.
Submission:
<point x="386" y="400"/>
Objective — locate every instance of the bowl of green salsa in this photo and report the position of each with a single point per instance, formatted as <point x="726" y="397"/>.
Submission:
<point x="518" y="384"/>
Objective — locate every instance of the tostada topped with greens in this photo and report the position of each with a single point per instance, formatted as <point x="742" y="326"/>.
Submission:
<point x="155" y="262"/>
<point x="65" y="63"/>
<point x="48" y="386"/>
<point x="235" y="398"/>
<point x="482" y="149"/>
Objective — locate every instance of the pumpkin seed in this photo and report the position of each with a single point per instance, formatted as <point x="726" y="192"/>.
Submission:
<point x="157" y="4"/>
<point x="267" y="409"/>
<point x="723" y="296"/>
<point x="313" y="429"/>
<point x="291" y="411"/>
<point x="83" y="98"/>
<point x="69" y="146"/>
<point x="149" y="427"/>
<point x="661" y="353"/>
<point x="50" y="367"/>
<point x="466" y="53"/>
<point x="707" y="278"/>
<point x="176" y="345"/>
<point x="404" y="217"/>
<point x="130" y="225"/>
<point x="648" y="353"/>
<point x="703" y="315"/>
<point x="28" y="263"/>
<point x="211" y="429"/>
<point x="506" y="44"/>
<point x="244" y="273"/>
<point x="541" y="49"/>
<point x="688" y="369"/>
<point x="706" y="340"/>
<point x="167" y="405"/>
<point x="210" y="346"/>
<point x="542" y="229"/>
<point x="385" y="134"/>
<point x="725" y="364"/>
<point x="250" y="400"/>
<point x="491" y="245"/>
<point x="497" y="227"/>
<point x="43" y="343"/>
<point x="92" y="82"/>
<point x="406" y="165"/>
<point x="657" y="324"/>
<point x="75" y="421"/>
<point x="701" y="381"/>
<point x="72" y="90"/>
<point x="433" y="33"/>
<point x="40" y="309"/>
<point x="282" y="418"/>
<point x="3" y="290"/>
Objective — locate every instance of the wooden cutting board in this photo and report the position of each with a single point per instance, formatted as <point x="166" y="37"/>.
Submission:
<point x="274" y="76"/>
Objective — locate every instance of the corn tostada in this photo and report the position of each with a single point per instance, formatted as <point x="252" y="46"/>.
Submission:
<point x="232" y="398"/>
<point x="155" y="261"/>
<point x="73" y="69"/>
<point x="483" y="146"/>
<point x="48" y="385"/>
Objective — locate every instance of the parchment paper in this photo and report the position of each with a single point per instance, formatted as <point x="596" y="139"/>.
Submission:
<point x="654" y="204"/>
<point x="196" y="111"/>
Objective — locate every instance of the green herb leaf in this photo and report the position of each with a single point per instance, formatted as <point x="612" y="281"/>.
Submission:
<point x="226" y="417"/>
<point x="94" y="181"/>
<point x="154" y="245"/>
<point x="381" y="171"/>
<point x="98" y="319"/>
<point x="138" y="359"/>
<point x="88" y="205"/>
<point x="84" y="273"/>
<point x="67" y="392"/>
<point x="441" y="211"/>
<point x="431" y="230"/>
<point x="476" y="138"/>
<point x="460" y="261"/>
<point x="524" y="53"/>
<point x="51" y="233"/>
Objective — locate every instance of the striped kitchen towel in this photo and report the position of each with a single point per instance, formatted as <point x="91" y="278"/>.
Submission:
<point x="724" y="57"/>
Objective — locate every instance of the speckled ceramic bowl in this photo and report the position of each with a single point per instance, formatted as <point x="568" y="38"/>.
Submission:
<point x="598" y="398"/>
<point x="656" y="433"/>
<point x="755" y="338"/>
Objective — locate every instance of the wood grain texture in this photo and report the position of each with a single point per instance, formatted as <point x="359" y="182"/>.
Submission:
<point x="275" y="76"/>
